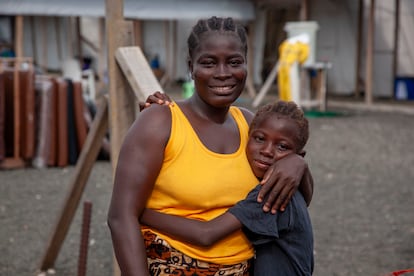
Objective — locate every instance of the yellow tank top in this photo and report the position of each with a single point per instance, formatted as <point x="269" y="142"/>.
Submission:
<point x="197" y="183"/>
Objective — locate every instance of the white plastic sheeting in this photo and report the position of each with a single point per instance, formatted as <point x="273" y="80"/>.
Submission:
<point x="133" y="9"/>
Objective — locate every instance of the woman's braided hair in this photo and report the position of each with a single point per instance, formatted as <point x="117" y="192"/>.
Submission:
<point x="287" y="110"/>
<point x="217" y="24"/>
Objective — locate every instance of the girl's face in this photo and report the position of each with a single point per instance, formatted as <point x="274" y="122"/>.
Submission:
<point x="272" y="139"/>
<point x="218" y="67"/>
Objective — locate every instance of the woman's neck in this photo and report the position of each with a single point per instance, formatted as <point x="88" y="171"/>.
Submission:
<point x="205" y="111"/>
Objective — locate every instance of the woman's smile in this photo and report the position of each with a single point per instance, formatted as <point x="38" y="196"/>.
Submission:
<point x="222" y="90"/>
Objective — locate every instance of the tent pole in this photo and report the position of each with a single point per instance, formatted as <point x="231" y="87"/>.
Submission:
<point x="359" y="46"/>
<point x="396" y="38"/>
<point x="369" y="54"/>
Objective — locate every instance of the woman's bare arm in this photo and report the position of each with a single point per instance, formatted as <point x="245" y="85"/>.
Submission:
<point x="201" y="233"/>
<point x="140" y="161"/>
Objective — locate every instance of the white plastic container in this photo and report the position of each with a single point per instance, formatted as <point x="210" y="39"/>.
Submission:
<point x="304" y="27"/>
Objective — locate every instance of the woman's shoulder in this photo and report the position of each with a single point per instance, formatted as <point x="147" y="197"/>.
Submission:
<point x="155" y="120"/>
<point x="248" y="115"/>
<point x="156" y="112"/>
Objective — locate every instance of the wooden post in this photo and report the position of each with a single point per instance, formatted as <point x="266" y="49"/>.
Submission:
<point x="396" y="42"/>
<point x="370" y="54"/>
<point x="69" y="37"/>
<point x="56" y="20"/>
<point x="250" y="64"/>
<point x="174" y="49"/>
<point x="101" y="56"/>
<point x="122" y="107"/>
<point x="167" y="37"/>
<point x="79" y="40"/>
<point x="137" y="32"/>
<point x="45" y="43"/>
<point x="18" y="40"/>
<point x="18" y="48"/>
<point x="32" y="23"/>
<point x="84" y="243"/>
<point x="121" y="99"/>
<point x="359" y="46"/>
<point x="303" y="14"/>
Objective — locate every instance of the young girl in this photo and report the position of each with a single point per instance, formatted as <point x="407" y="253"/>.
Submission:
<point x="283" y="242"/>
<point x="171" y="153"/>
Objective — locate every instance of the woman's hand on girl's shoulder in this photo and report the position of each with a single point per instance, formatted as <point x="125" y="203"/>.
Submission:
<point x="281" y="181"/>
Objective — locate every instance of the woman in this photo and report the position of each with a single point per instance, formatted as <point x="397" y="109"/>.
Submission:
<point x="188" y="159"/>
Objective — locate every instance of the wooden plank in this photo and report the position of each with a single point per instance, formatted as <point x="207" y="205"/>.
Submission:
<point x="137" y="71"/>
<point x="78" y="182"/>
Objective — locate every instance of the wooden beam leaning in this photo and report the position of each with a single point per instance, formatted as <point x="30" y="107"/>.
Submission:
<point x="266" y="86"/>
<point x="138" y="72"/>
<point x="85" y="162"/>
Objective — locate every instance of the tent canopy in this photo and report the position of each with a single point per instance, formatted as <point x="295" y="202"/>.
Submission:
<point x="133" y="9"/>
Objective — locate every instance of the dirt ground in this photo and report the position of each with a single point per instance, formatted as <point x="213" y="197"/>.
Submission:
<point x="362" y="211"/>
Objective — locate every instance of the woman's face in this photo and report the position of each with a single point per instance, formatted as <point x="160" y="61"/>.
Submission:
<point x="218" y="67"/>
<point x="272" y="139"/>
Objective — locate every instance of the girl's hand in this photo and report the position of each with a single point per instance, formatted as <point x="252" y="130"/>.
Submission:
<point x="156" y="98"/>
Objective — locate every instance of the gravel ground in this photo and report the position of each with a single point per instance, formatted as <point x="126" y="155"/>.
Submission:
<point x="362" y="210"/>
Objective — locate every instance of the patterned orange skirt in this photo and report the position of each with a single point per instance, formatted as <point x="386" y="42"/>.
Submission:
<point x="163" y="260"/>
